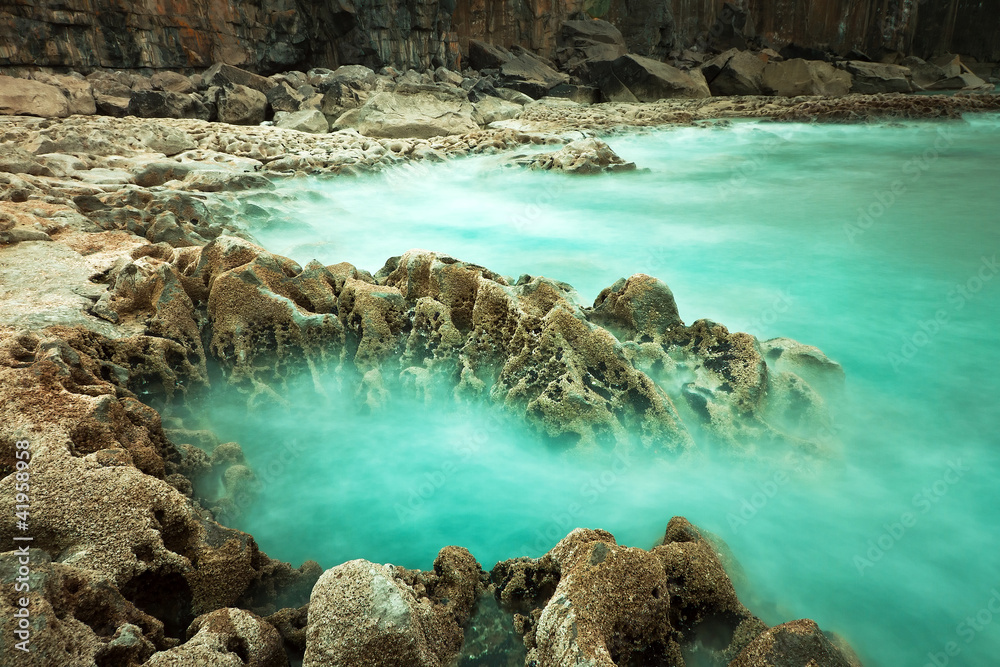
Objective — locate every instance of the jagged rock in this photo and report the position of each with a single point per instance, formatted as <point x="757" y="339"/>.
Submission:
<point x="77" y="615"/>
<point x="806" y="361"/>
<point x="165" y="104"/>
<point x="421" y="115"/>
<point x="733" y="28"/>
<point x="734" y="72"/>
<point x="364" y="613"/>
<point x="633" y="78"/>
<point x="172" y="82"/>
<point x="284" y="98"/>
<point x="637" y="307"/>
<point x="308" y="120"/>
<point x="583" y="41"/>
<point x="222" y="75"/>
<point x="23" y="97"/>
<point x="14" y="160"/>
<point x="873" y="78"/>
<point x="445" y="75"/>
<point x="586" y="156"/>
<point x="487" y="56"/>
<point x="530" y="75"/>
<point x="790" y="78"/>
<point x="78" y="91"/>
<point x="790" y="645"/>
<point x="579" y="94"/>
<point x="226" y="638"/>
<point x="240" y="105"/>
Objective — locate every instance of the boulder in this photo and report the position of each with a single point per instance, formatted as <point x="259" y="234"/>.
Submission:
<point x="307" y="120"/>
<point x="284" y="98"/>
<point x="492" y="109"/>
<point x="240" y="105"/>
<point x="586" y="156"/>
<point x="421" y="115"/>
<point x="580" y="42"/>
<point x="222" y="75"/>
<point x="873" y="78"/>
<point x="15" y="160"/>
<point x="487" y="56"/>
<point x="579" y="94"/>
<point x="78" y="91"/>
<point x="633" y="78"/>
<point x="165" y="104"/>
<point x="172" y="82"/>
<point x="791" y="78"/>
<point x="734" y="72"/>
<point x="791" y="645"/>
<point x="636" y="307"/>
<point x="24" y="97"/>
<point x="530" y="75"/>
<point x="356" y="77"/>
<point x="806" y="361"/>
<point x="445" y="75"/>
<point x="226" y="638"/>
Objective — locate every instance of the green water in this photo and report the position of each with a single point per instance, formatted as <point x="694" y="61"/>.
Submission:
<point x="875" y="243"/>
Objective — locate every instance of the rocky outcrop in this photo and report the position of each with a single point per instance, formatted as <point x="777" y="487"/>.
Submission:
<point x="226" y="637"/>
<point x="586" y="156"/>
<point x="734" y="72"/>
<point x="790" y="78"/>
<point x="421" y="114"/>
<point x="633" y="78"/>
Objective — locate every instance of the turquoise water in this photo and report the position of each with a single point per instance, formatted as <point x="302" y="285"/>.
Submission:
<point x="876" y="243"/>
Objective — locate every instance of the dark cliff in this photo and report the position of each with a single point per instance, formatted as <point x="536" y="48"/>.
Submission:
<point x="273" y="35"/>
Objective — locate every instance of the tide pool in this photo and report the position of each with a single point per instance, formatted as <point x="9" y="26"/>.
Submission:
<point x="876" y="243"/>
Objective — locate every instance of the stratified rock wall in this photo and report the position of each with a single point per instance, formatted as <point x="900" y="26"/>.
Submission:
<point x="285" y="34"/>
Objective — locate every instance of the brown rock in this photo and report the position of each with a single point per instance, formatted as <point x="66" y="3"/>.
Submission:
<point x="23" y="97"/>
<point x="791" y="645"/>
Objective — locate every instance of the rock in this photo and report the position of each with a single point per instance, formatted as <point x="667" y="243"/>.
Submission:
<point x="734" y="73"/>
<point x="806" y="361"/>
<point x="790" y="78"/>
<point x="873" y="78"/>
<point x="224" y="638"/>
<point x="172" y="82"/>
<point x="583" y="41"/>
<point x="487" y="56"/>
<point x="308" y="120"/>
<point x="23" y="97"/>
<point x="733" y="28"/>
<point x="530" y="75"/>
<point x="791" y="645"/>
<point x="633" y="78"/>
<point x="639" y="306"/>
<point x="444" y="75"/>
<point x="421" y="115"/>
<point x="514" y="96"/>
<point x="78" y="91"/>
<point x="491" y="109"/>
<point x="163" y="104"/>
<point x="284" y="98"/>
<point x="362" y="613"/>
<point x="222" y="75"/>
<point x="165" y="139"/>
<point x="240" y="105"/>
<point x="108" y="105"/>
<point x="586" y="156"/>
<point x="579" y="94"/>
<point x="15" y="160"/>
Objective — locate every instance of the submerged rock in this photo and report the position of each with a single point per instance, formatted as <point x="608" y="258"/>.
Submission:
<point x="586" y="156"/>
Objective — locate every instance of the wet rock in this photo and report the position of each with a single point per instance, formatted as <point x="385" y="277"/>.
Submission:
<point x="637" y="307"/>
<point x="734" y="72"/>
<point x="806" y="361"/>
<point x="790" y="78"/>
<point x="241" y="105"/>
<point x="226" y="637"/>
<point x="586" y="156"/>
<point x="421" y="115"/>
<point x="23" y="97"/>
<point x="633" y="78"/>
<point x="792" y="644"/>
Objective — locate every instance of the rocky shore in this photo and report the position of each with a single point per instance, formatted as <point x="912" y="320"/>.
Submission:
<point x="127" y="279"/>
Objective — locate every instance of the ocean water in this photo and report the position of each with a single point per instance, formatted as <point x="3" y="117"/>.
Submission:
<point x="877" y="243"/>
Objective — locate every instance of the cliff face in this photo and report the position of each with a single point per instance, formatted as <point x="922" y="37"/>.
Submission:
<point x="273" y="35"/>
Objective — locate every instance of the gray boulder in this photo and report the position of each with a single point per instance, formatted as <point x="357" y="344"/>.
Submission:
<point x="78" y="91"/>
<point x="734" y="72"/>
<point x="221" y="75"/>
<point x="790" y="78"/>
<point x="307" y="120"/>
<point x="172" y="82"/>
<point x="582" y="41"/>
<point x="420" y="115"/>
<point x="240" y="105"/>
<point x="23" y="97"/>
<point x="530" y="75"/>
<point x="586" y="156"/>
<point x="164" y="104"/>
<point x="283" y="97"/>
<point x="633" y="78"/>
<point x="487" y="56"/>
<point x="872" y="78"/>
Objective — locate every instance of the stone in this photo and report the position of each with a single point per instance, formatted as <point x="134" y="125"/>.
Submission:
<point x="586" y="156"/>
<point x="240" y="105"/>
<point x="421" y="115"/>
<point x="633" y="78"/>
<point x="581" y="42"/>
<point x="491" y="109"/>
<point x="308" y="120"/>
<point x="24" y="97"/>
<point x="579" y="94"/>
<point x="530" y="75"/>
<point x="172" y="82"/>
<point x="284" y="98"/>
<point x="445" y="75"/>
<point x="15" y="160"/>
<point x="165" y="104"/>
<point x="226" y="637"/>
<point x="222" y="75"/>
<point x="487" y="56"/>
<point x="78" y="91"/>
<point x="790" y="78"/>
<point x="806" y="361"/>
<point x="791" y="645"/>
<point x="874" y="78"/>
<point x="734" y="72"/>
<point x="636" y="307"/>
